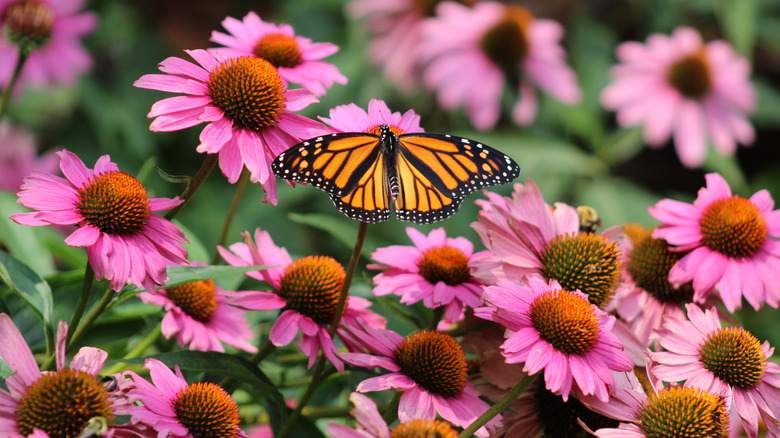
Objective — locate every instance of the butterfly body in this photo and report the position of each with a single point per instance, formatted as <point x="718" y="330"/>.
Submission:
<point x="425" y="175"/>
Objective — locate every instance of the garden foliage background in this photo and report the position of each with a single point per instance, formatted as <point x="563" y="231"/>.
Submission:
<point x="576" y="154"/>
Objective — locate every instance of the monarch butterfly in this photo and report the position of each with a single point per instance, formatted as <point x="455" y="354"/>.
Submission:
<point x="426" y="174"/>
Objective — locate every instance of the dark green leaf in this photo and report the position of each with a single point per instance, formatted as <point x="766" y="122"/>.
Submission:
<point x="22" y="240"/>
<point x="29" y="285"/>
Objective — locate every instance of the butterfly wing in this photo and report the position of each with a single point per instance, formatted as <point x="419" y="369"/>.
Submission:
<point x="436" y="171"/>
<point x="350" y="167"/>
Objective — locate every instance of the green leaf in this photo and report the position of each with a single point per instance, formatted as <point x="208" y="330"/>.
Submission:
<point x="22" y="240"/>
<point x="740" y="19"/>
<point x="185" y="274"/>
<point x="29" y="285"/>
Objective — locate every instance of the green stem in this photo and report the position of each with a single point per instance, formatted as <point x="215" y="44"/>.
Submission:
<point x="194" y="185"/>
<point x="391" y="411"/>
<point x="93" y="314"/>
<point x="86" y="288"/>
<point x="498" y="407"/>
<point x="436" y="317"/>
<point x="351" y="267"/>
<point x="242" y="183"/>
<point x="136" y="351"/>
<point x="316" y="379"/>
<point x="6" y="96"/>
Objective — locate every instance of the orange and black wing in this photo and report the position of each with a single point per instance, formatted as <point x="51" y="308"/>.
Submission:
<point x="436" y="171"/>
<point x="350" y="167"/>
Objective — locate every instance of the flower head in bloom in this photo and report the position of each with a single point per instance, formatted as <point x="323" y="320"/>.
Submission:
<point x="370" y="424"/>
<point x="57" y="403"/>
<point x="18" y="157"/>
<point x="307" y="290"/>
<point x="124" y="240"/>
<point x="527" y="237"/>
<point x="176" y="409"/>
<point x="558" y="331"/>
<point x="473" y="53"/>
<point x="645" y="296"/>
<point x="435" y="271"/>
<point x="677" y="86"/>
<point x="51" y="31"/>
<point x="728" y="361"/>
<point x="428" y="367"/>
<point x="352" y="118"/>
<point x="247" y="107"/>
<point x="296" y="58"/>
<point x="201" y="317"/>
<point x="396" y="29"/>
<point x="671" y="412"/>
<point x="732" y="242"/>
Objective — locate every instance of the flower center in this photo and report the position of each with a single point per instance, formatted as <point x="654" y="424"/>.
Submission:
<point x="279" y="49"/>
<point x="423" y="429"/>
<point x="434" y="360"/>
<point x="198" y="299"/>
<point x="311" y="286"/>
<point x="61" y="403"/>
<point x="444" y="263"/>
<point x="207" y="411"/>
<point x="649" y="264"/>
<point x="249" y="91"/>
<point x="733" y="227"/>
<point x="28" y="23"/>
<point x="691" y="75"/>
<point x="506" y="43"/>
<point x="684" y="412"/>
<point x="585" y="261"/>
<point x="565" y="320"/>
<point x="734" y="356"/>
<point x="114" y="202"/>
<point x="560" y="418"/>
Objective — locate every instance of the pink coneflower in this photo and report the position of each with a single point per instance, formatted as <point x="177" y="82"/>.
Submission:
<point x="436" y="271"/>
<point x="246" y="105"/>
<point x="529" y="237"/>
<point x="495" y="45"/>
<point x="654" y="411"/>
<point x="728" y="361"/>
<point x="645" y="296"/>
<point x="428" y="367"/>
<point x="296" y="58"/>
<point x="396" y="30"/>
<point x="677" y="86"/>
<point x="124" y="240"/>
<point x="370" y="424"/>
<point x="352" y="118"/>
<point x="52" y="29"/>
<point x="558" y="331"/>
<point x="57" y="403"/>
<point x="732" y="242"/>
<point x="307" y="291"/>
<point x="18" y="157"/>
<point x="201" y="317"/>
<point x="176" y="409"/>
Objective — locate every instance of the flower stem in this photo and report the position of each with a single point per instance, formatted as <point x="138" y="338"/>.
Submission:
<point x="9" y="88"/>
<point x="436" y="317"/>
<point x="91" y="317"/>
<point x="498" y="407"/>
<point x="391" y="411"/>
<point x="194" y="185"/>
<point x="242" y="182"/>
<point x="351" y="267"/>
<point x="86" y="288"/>
<point x="139" y="348"/>
<point x="315" y="382"/>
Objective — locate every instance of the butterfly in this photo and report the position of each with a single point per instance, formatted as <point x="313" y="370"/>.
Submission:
<point x="425" y="175"/>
